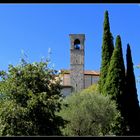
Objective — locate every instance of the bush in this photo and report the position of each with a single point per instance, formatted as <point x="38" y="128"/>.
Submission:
<point x="89" y="114"/>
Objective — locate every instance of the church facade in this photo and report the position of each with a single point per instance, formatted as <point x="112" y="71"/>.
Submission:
<point x="77" y="78"/>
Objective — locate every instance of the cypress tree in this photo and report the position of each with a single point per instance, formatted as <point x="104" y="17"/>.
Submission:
<point x="107" y="50"/>
<point x="115" y="80"/>
<point x="131" y="97"/>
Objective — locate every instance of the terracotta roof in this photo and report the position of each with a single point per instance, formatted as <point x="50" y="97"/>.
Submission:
<point x="87" y="72"/>
<point x="91" y="72"/>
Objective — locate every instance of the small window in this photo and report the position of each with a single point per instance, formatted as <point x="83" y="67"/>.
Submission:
<point x="77" y="44"/>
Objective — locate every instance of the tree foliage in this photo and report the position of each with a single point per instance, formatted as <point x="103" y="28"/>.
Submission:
<point x="107" y="50"/>
<point x="89" y="114"/>
<point x="132" y="104"/>
<point x="115" y="82"/>
<point x="30" y="98"/>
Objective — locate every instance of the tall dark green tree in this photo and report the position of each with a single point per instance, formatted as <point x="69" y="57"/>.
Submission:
<point x="115" y="82"/>
<point x="107" y="50"/>
<point x="131" y="97"/>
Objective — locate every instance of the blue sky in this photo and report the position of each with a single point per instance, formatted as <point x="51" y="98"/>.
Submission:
<point x="35" y="28"/>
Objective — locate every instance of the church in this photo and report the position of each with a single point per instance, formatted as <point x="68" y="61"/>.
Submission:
<point x="77" y="78"/>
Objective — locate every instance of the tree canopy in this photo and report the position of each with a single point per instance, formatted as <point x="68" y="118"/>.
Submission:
<point x="89" y="114"/>
<point x="30" y="98"/>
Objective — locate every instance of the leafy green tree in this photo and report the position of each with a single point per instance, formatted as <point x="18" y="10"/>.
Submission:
<point x="89" y="114"/>
<point x="30" y="98"/>
<point x="115" y="82"/>
<point x="107" y="50"/>
<point x="131" y="97"/>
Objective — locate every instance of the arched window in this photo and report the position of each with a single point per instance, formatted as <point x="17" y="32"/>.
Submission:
<point x="77" y="44"/>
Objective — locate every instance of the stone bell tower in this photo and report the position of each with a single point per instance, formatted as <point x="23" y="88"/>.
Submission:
<point x="77" y="54"/>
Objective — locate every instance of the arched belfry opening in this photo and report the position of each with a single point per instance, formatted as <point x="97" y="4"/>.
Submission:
<point x="77" y="44"/>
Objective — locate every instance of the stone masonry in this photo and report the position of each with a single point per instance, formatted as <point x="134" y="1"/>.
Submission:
<point x="77" y="54"/>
